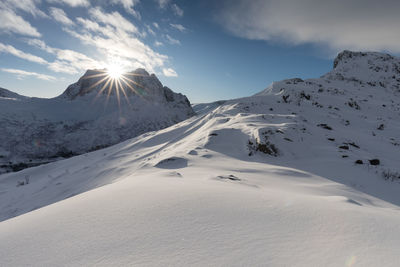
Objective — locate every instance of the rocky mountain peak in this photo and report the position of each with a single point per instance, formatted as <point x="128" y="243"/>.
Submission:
<point x="137" y="83"/>
<point x="347" y="57"/>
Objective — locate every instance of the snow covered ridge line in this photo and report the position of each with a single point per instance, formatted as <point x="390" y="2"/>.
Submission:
<point x="353" y="109"/>
<point x="93" y="113"/>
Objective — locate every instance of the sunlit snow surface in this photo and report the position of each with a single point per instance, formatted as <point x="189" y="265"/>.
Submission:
<point x="199" y="194"/>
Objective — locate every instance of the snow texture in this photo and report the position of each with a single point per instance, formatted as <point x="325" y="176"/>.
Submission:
<point x="267" y="180"/>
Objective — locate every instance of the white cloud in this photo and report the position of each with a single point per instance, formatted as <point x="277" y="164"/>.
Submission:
<point x="128" y="6"/>
<point x="115" y="38"/>
<point x="72" y="3"/>
<point x="155" y="24"/>
<point x="177" y="10"/>
<point x="22" y="74"/>
<point x="67" y="61"/>
<point x="157" y="43"/>
<point x="18" y="53"/>
<point x="150" y="30"/>
<point x="338" y="25"/>
<point x="71" y="62"/>
<point x="113" y="19"/>
<point x="172" y="40"/>
<point x="163" y="3"/>
<point x="178" y="27"/>
<point x="169" y="72"/>
<point x="40" y="44"/>
<point x="60" y="16"/>
<point x="12" y="23"/>
<point x="28" y="6"/>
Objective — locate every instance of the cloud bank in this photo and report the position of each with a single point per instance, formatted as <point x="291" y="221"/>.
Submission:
<point x="338" y="25"/>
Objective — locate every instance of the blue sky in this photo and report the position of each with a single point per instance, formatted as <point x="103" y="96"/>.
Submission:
<point x="207" y="50"/>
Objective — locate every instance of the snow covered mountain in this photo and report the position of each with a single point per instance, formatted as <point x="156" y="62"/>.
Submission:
<point x="352" y="112"/>
<point x="305" y="173"/>
<point x="93" y="113"/>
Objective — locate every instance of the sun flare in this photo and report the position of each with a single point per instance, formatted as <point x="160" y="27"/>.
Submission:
<point x="114" y="71"/>
<point x="113" y="78"/>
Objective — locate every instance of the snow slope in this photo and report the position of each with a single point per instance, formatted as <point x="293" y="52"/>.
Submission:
<point x="247" y="182"/>
<point x="89" y="115"/>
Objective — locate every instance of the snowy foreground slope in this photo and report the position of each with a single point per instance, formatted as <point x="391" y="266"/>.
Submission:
<point x="89" y="115"/>
<point x="247" y="182"/>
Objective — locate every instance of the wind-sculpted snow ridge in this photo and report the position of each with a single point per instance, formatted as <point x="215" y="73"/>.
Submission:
<point x="89" y="115"/>
<point x="303" y="174"/>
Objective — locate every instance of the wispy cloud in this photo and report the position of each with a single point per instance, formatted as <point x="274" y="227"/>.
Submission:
<point x="12" y="23"/>
<point x="22" y="74"/>
<point x="178" y="27"/>
<point x="60" y="16"/>
<point x="28" y="6"/>
<point x="129" y="6"/>
<point x="341" y="24"/>
<point x="114" y="37"/>
<point x="67" y="61"/>
<point x="150" y="30"/>
<point x="72" y="3"/>
<point x="18" y="53"/>
<point x="40" y="44"/>
<point x="177" y="10"/>
<point x="169" y="72"/>
<point x="171" y="40"/>
<point x="114" y="19"/>
<point x="163" y="3"/>
<point x="157" y="43"/>
<point x="71" y="62"/>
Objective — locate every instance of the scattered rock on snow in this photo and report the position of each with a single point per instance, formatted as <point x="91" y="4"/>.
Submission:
<point x="324" y="126"/>
<point x="172" y="163"/>
<point x="229" y="177"/>
<point x="374" y="161"/>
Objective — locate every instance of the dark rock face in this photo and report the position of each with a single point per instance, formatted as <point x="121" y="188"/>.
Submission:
<point x="136" y="83"/>
<point x="349" y="55"/>
<point x="374" y="161"/>
<point x="346" y="54"/>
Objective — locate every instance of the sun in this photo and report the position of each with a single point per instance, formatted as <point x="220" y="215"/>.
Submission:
<point x="114" y="71"/>
<point x="113" y="77"/>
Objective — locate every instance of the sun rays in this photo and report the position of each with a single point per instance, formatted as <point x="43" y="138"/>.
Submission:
<point x="113" y="79"/>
